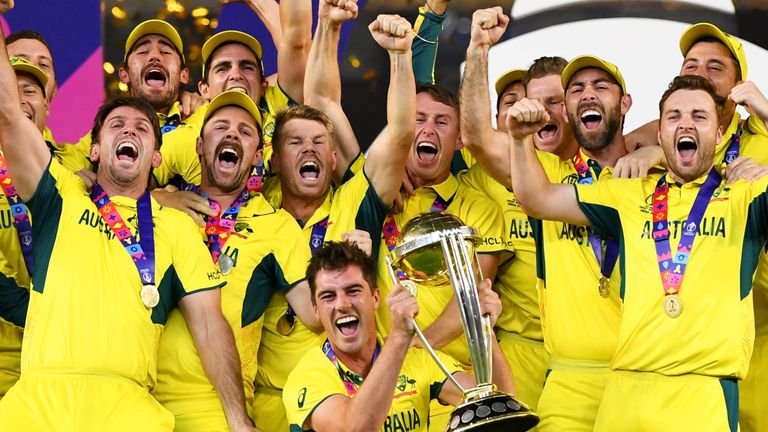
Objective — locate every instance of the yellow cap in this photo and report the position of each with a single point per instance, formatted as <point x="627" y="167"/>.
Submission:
<point x="702" y="30"/>
<point x="233" y="98"/>
<point x="230" y="36"/>
<point x="156" y="27"/>
<point x="588" y="61"/>
<point x="508" y="78"/>
<point x="20" y="64"/>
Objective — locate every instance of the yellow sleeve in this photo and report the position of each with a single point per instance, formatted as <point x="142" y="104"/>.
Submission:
<point x="756" y="126"/>
<point x="599" y="203"/>
<point x="485" y="215"/>
<point x="180" y="157"/>
<point x="312" y="381"/>
<point x="292" y="254"/>
<point x="433" y="372"/>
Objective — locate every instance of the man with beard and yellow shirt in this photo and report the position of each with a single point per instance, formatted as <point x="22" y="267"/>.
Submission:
<point x="304" y="147"/>
<point x="339" y="384"/>
<point x="260" y="250"/>
<point x="119" y="288"/>
<point x="685" y="336"/>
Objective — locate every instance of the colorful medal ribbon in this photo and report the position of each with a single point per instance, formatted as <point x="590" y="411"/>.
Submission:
<point x="218" y="228"/>
<point x="171" y="123"/>
<point x="142" y="251"/>
<point x="349" y="379"/>
<point x="20" y="216"/>
<point x="672" y="268"/>
<point x="733" y="150"/>
<point x="392" y="233"/>
<point x="606" y="260"/>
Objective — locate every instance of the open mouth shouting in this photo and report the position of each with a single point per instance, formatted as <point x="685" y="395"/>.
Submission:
<point x="686" y="147"/>
<point x="309" y="170"/>
<point x="591" y="118"/>
<point x="237" y="87"/>
<point x="127" y="151"/>
<point x="155" y="76"/>
<point x="548" y="131"/>
<point x="426" y="151"/>
<point x="347" y="325"/>
<point x="228" y="156"/>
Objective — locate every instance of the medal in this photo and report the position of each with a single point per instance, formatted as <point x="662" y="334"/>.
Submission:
<point x="286" y="323"/>
<point x="410" y="286"/>
<point x="673" y="305"/>
<point x="225" y="264"/>
<point x="602" y="287"/>
<point x="150" y="296"/>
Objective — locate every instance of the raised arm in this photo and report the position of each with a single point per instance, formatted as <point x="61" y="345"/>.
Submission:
<point x="387" y="155"/>
<point x="26" y="153"/>
<point x="428" y="28"/>
<point x="299" y="298"/>
<point x="368" y="410"/>
<point x="296" y="23"/>
<point x="322" y="83"/>
<point x="537" y="196"/>
<point x="268" y="12"/>
<point x="489" y="146"/>
<point x="216" y="346"/>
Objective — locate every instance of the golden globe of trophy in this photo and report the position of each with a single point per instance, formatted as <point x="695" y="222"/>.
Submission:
<point x="437" y="249"/>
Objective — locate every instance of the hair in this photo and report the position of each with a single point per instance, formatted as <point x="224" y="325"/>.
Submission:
<point x="140" y="104"/>
<point x="208" y="64"/>
<point x="545" y="66"/>
<point x="693" y="82"/>
<point x="711" y="39"/>
<point x="440" y="94"/>
<point x="338" y="256"/>
<point x="303" y="112"/>
<point x="27" y="34"/>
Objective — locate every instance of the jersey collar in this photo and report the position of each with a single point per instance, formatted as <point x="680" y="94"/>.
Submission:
<point x="447" y="188"/>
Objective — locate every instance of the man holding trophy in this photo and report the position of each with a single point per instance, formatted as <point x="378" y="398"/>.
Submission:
<point x="340" y="383"/>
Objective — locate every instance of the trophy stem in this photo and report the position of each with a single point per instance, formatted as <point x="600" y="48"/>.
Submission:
<point x="423" y="338"/>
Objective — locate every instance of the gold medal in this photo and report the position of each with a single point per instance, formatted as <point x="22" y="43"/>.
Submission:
<point x="225" y="264"/>
<point x="673" y="305"/>
<point x="602" y="286"/>
<point x="410" y="286"/>
<point x="149" y="296"/>
<point x="286" y="323"/>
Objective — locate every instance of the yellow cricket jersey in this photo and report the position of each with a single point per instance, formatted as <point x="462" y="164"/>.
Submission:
<point x="516" y="278"/>
<point x="269" y="255"/>
<point x="180" y="157"/>
<point x="85" y="314"/>
<point x="316" y="378"/>
<point x="577" y="323"/>
<point x="714" y="334"/>
<point x="353" y="205"/>
<point x="475" y="209"/>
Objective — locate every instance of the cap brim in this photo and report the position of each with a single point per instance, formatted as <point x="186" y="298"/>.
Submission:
<point x="230" y="36"/>
<point x="234" y="98"/>
<point x="156" y="27"/>
<point x="508" y="78"/>
<point x="33" y="70"/>
<point x="703" y="30"/>
<point x="588" y="61"/>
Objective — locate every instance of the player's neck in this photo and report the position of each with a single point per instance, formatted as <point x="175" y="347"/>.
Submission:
<point x="301" y="208"/>
<point x="133" y="191"/>
<point x="568" y="150"/>
<point x="608" y="155"/>
<point x="729" y="110"/>
<point x="361" y="362"/>
<point x="419" y="182"/>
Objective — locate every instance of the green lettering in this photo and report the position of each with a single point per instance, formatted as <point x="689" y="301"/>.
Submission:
<point x="646" y="230"/>
<point x="416" y="419"/>
<point x="397" y="423"/>
<point x="720" y="230"/>
<point x="84" y="217"/>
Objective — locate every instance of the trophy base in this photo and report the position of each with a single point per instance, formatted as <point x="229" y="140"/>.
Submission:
<point x="493" y="412"/>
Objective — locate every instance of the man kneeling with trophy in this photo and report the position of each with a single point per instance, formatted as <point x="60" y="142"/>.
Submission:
<point x="342" y="385"/>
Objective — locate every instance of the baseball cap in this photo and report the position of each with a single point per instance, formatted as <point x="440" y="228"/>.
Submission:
<point x="702" y="30"/>
<point x="587" y="61"/>
<point x="20" y="64"/>
<point x="157" y="27"/>
<point x="508" y="78"/>
<point x="234" y="98"/>
<point x="230" y="36"/>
